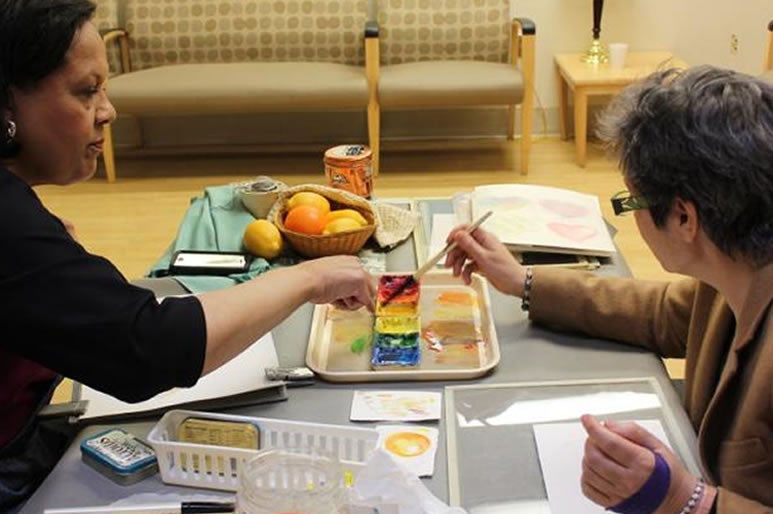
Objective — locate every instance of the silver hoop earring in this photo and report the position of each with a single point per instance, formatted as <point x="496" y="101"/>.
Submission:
<point x="11" y="130"/>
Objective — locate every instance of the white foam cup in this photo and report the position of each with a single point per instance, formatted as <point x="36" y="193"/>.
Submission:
<point x="617" y="54"/>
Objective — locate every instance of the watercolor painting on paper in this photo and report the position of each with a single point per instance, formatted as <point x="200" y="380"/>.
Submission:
<point x="540" y="218"/>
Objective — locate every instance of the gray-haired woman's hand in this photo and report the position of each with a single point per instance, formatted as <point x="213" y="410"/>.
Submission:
<point x="482" y="252"/>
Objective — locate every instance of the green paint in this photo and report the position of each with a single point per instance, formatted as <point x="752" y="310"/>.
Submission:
<point x="359" y="344"/>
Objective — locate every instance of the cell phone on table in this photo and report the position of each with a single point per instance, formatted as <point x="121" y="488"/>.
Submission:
<point x="196" y="262"/>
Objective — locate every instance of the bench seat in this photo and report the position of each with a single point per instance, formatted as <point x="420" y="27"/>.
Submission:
<point x="240" y="87"/>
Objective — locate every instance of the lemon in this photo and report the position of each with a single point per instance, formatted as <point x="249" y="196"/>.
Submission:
<point x="346" y="213"/>
<point x="340" y="225"/>
<point x="309" y="198"/>
<point x="262" y="239"/>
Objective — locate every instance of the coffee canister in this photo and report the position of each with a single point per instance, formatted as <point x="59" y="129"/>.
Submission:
<point x="348" y="167"/>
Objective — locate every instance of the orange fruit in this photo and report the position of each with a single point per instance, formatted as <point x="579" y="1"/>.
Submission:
<point x="305" y="219"/>
<point x="309" y="198"/>
<point x="262" y="239"/>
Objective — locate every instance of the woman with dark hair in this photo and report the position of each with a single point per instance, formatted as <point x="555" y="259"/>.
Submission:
<point x="73" y="313"/>
<point x="696" y="151"/>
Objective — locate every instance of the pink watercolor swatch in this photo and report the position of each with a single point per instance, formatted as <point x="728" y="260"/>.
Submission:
<point x="573" y="232"/>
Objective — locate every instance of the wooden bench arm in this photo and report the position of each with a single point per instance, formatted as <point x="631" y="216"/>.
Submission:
<point x="769" y="51"/>
<point x="522" y="54"/>
<point x="372" y="67"/>
<point x="522" y="38"/>
<point x="120" y="36"/>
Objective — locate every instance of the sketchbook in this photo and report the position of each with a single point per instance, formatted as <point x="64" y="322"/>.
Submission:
<point x="241" y="381"/>
<point x="531" y="218"/>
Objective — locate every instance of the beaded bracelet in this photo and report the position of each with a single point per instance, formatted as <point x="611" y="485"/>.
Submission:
<point x="527" y="288"/>
<point x="695" y="497"/>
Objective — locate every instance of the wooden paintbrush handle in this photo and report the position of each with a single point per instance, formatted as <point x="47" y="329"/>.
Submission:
<point x="447" y="248"/>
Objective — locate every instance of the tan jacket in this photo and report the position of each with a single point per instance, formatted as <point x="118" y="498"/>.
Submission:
<point x="729" y="366"/>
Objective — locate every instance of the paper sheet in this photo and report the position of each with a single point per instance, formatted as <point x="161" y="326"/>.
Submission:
<point x="243" y="374"/>
<point x="413" y="446"/>
<point x="561" y="447"/>
<point x="441" y="226"/>
<point x="395" y="405"/>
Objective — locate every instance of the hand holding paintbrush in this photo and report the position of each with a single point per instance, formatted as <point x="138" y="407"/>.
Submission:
<point x="416" y="276"/>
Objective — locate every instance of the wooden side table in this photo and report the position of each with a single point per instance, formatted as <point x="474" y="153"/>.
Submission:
<point x="586" y="80"/>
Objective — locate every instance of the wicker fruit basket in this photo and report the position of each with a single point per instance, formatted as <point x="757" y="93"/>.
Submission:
<point x="343" y="243"/>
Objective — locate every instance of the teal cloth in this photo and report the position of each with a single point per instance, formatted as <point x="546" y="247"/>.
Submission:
<point x="214" y="221"/>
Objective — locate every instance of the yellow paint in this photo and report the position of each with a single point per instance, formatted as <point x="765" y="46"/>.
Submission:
<point x="397" y="324"/>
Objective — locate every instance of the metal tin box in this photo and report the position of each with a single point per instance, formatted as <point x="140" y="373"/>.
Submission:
<point x="120" y="456"/>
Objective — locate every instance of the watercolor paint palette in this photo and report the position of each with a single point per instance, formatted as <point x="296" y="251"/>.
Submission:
<point x="396" y="340"/>
<point x="456" y="336"/>
<point x="398" y="295"/>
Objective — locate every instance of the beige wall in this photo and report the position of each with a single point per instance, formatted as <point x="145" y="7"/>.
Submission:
<point x="697" y="30"/>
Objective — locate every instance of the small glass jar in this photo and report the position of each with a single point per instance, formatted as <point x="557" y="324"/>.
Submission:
<point x="291" y="481"/>
<point x="348" y="167"/>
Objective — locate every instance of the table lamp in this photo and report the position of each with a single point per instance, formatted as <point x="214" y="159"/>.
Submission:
<point x="596" y="53"/>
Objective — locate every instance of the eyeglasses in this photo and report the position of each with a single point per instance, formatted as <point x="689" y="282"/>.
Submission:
<point x="624" y="201"/>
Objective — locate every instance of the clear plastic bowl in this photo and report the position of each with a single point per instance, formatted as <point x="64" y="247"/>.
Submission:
<point x="291" y="480"/>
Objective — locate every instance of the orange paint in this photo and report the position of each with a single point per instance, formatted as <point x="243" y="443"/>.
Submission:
<point x="407" y="444"/>
<point x="455" y="298"/>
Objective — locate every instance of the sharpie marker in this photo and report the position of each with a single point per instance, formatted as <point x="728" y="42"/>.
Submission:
<point x="153" y="508"/>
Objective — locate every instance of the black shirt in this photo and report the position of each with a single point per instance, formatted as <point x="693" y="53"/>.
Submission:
<point x="72" y="312"/>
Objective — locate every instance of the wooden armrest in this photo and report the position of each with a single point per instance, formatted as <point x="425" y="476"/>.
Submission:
<point x="527" y="26"/>
<point x="522" y="37"/>
<point x="112" y="33"/>
<point x="121" y="36"/>
<point x="371" y="29"/>
<point x="372" y="58"/>
<point x="769" y="51"/>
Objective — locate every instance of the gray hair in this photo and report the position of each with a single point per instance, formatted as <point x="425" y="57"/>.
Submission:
<point x="704" y="135"/>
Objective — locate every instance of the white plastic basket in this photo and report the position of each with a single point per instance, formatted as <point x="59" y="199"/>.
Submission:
<point x="220" y="467"/>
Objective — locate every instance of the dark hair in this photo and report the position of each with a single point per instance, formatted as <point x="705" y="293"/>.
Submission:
<point x="704" y="135"/>
<point x="35" y="36"/>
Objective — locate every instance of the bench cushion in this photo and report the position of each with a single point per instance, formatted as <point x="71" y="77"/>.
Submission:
<point x="449" y="83"/>
<point x="238" y="87"/>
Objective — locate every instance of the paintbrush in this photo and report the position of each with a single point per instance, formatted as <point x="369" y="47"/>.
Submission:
<point x="416" y="276"/>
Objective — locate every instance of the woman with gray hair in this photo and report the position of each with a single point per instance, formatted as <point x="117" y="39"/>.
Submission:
<point x="696" y="151"/>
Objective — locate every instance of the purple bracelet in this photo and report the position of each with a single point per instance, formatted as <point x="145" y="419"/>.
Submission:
<point x="647" y="499"/>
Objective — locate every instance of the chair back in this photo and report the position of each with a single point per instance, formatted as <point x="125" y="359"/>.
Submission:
<point x="210" y="31"/>
<point x="436" y="30"/>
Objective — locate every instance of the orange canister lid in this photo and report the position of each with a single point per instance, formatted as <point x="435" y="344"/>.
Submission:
<point x="345" y="154"/>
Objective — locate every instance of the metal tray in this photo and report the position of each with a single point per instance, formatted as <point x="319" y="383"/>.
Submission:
<point x="458" y="338"/>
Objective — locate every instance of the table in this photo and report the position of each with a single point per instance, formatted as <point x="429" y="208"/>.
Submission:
<point x="528" y="353"/>
<point x="585" y="79"/>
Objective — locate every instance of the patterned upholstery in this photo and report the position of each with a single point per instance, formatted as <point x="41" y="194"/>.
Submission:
<point x="206" y="31"/>
<point x="432" y="30"/>
<point x="106" y="17"/>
